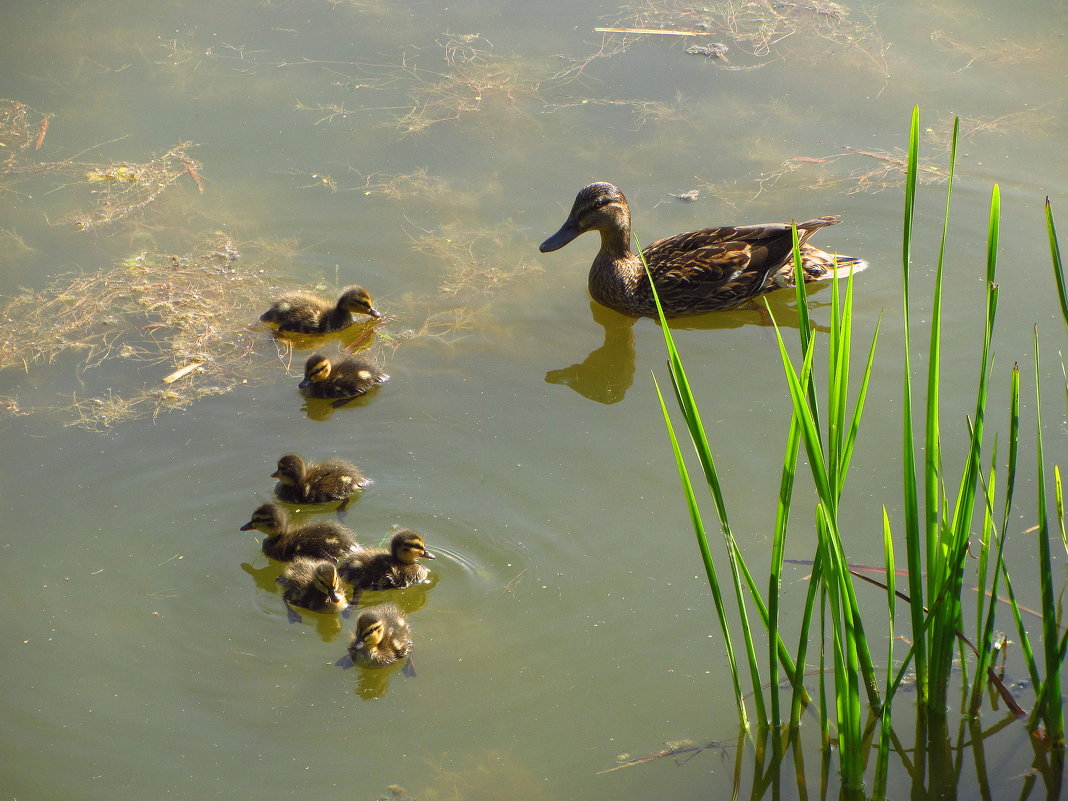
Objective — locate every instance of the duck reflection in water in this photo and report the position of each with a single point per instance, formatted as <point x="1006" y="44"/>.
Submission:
<point x="608" y="372"/>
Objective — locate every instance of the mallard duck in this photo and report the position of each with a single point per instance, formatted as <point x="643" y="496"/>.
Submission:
<point x="695" y="272"/>
<point x="382" y="636"/>
<point x="285" y="541"/>
<point x="302" y="313"/>
<point x="387" y="569"/>
<point x="343" y="380"/>
<point x="313" y="584"/>
<point x="330" y="480"/>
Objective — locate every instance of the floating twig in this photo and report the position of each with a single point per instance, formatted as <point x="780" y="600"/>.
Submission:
<point x="653" y="31"/>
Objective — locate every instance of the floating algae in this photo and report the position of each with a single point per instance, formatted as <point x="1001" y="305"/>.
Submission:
<point x="762" y="29"/>
<point x="21" y="128"/>
<point x="185" y="317"/>
<point x="122" y="189"/>
<point x="119" y="188"/>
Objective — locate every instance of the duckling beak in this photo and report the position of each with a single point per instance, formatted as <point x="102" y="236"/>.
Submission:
<point x="305" y="383"/>
<point x="375" y="313"/>
<point x="428" y="555"/>
<point x="359" y="644"/>
<point x="335" y="597"/>
<point x="275" y="474"/>
<point x="568" y="231"/>
<point x="248" y="526"/>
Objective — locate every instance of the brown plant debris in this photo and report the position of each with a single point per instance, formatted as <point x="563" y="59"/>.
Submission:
<point x="122" y="188"/>
<point x="763" y="28"/>
<point x="184" y="318"/>
<point x="418" y="184"/>
<point x="1032" y="122"/>
<point x="21" y="128"/>
<point x="471" y="258"/>
<point x="680" y="752"/>
<point x="878" y="170"/>
<point x="119" y="188"/>
<point x="476" y="74"/>
<point x="644" y="111"/>
<point x="446" y="327"/>
<point x="1003" y="52"/>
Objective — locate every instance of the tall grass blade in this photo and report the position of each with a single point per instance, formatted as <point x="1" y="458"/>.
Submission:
<point x="828" y="491"/>
<point x="706" y="558"/>
<point x="778" y="551"/>
<point x="688" y="405"/>
<point x="882" y="757"/>
<point x="1049" y="706"/>
<point x="1059" y="499"/>
<point x="945" y="570"/>
<point x="1058" y="265"/>
<point x="914" y="544"/>
<point x="932" y="466"/>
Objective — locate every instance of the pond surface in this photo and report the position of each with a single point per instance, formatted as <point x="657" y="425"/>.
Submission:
<point x="424" y="152"/>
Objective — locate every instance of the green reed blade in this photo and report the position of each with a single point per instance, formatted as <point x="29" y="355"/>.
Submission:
<point x="913" y="541"/>
<point x="828" y="493"/>
<point x="1059" y="500"/>
<point x="688" y="405"/>
<point x="778" y="551"/>
<point x="932" y="473"/>
<point x="815" y="585"/>
<point x="1058" y="266"/>
<point x="844" y="637"/>
<point x="854" y="424"/>
<point x="706" y="558"/>
<point x="882" y="757"/>
<point x="1050" y="708"/>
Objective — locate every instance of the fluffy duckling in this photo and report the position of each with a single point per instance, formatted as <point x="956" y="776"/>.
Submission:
<point x="285" y="541"/>
<point x="313" y="584"/>
<point x="382" y="637"/>
<point x="387" y="569"/>
<point x="331" y="480"/>
<point x="302" y="313"/>
<point x="343" y="380"/>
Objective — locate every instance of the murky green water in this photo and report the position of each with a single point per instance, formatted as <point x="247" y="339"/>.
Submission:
<point x="147" y="653"/>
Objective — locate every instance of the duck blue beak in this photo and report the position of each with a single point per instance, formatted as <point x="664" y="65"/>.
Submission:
<point x="374" y="313"/>
<point x="305" y="383"/>
<point x="568" y="231"/>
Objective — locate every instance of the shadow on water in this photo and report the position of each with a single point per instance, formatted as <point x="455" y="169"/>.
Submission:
<point x="607" y="372"/>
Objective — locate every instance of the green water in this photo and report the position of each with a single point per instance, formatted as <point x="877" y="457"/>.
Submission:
<point x="146" y="652"/>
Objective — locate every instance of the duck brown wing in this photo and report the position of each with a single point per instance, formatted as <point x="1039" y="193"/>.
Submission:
<point x="714" y="268"/>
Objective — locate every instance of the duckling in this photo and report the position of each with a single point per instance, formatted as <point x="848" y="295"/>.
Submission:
<point x="331" y="480"/>
<point x="387" y="569"/>
<point x="695" y="272"/>
<point x="343" y="380"/>
<point x="313" y="584"/>
<point x="285" y="542"/>
<point x="382" y="637"/>
<point x="302" y="313"/>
